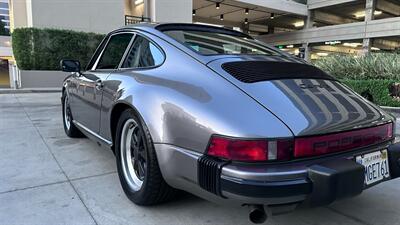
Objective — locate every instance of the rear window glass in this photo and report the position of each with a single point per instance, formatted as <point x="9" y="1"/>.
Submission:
<point x="211" y="43"/>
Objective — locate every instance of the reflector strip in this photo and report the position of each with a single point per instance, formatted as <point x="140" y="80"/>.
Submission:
<point x="325" y="144"/>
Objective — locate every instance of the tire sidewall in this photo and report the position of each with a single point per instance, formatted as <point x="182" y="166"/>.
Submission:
<point x="67" y="131"/>
<point x="135" y="196"/>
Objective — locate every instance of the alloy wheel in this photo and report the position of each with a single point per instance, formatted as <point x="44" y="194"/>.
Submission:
<point x="133" y="154"/>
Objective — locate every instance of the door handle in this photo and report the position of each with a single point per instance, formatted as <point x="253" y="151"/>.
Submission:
<point x="99" y="84"/>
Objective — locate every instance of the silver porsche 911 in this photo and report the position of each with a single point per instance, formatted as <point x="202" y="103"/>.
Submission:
<point x="213" y="112"/>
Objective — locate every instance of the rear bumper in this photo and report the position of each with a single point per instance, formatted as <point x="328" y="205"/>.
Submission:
<point x="312" y="183"/>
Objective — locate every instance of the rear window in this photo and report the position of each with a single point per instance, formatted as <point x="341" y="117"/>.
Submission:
<point x="211" y="43"/>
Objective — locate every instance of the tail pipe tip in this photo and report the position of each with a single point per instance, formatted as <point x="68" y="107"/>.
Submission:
<point x="257" y="214"/>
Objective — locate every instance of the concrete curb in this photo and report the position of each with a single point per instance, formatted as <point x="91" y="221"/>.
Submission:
<point x="29" y="90"/>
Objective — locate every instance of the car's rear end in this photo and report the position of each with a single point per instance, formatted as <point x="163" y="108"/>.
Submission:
<point x="341" y="143"/>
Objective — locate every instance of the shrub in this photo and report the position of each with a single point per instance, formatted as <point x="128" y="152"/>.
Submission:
<point x="379" y="89"/>
<point x="372" y="66"/>
<point x="42" y="49"/>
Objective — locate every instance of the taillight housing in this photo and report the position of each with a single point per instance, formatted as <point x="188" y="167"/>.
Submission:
<point x="261" y="150"/>
<point x="244" y="150"/>
<point x="331" y="143"/>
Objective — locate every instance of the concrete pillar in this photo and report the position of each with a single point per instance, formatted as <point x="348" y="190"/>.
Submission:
<point x="370" y="6"/>
<point x="308" y="23"/>
<point x="307" y="52"/>
<point x="366" y="47"/>
<point x="176" y="11"/>
<point x="309" y="20"/>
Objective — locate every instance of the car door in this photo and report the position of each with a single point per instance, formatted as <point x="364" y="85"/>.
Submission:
<point x="89" y="89"/>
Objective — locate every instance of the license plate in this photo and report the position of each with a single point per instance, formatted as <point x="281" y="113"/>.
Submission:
<point x="376" y="166"/>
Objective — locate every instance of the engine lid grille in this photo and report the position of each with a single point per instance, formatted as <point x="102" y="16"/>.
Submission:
<point x="257" y="71"/>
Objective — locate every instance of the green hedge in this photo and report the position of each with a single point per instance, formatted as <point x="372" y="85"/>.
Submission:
<point x="379" y="89"/>
<point x="42" y="49"/>
<point x="372" y="66"/>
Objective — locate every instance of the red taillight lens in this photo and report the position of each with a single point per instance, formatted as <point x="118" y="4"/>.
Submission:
<point x="319" y="145"/>
<point x="282" y="149"/>
<point x="249" y="150"/>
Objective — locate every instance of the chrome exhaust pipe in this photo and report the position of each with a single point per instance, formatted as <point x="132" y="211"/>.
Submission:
<point x="257" y="214"/>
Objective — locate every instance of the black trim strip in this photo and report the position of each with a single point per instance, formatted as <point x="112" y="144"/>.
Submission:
<point x="256" y="71"/>
<point x="261" y="189"/>
<point x="209" y="172"/>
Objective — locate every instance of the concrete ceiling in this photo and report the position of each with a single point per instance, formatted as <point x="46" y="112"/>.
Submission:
<point x="348" y="10"/>
<point x="234" y="14"/>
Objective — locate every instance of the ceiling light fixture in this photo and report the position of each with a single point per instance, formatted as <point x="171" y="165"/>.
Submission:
<point x="353" y="45"/>
<point x="246" y="11"/>
<point x="221" y="17"/>
<point x="362" y="14"/>
<point x="299" y="24"/>
<point x="246" y="21"/>
<point x="272" y="16"/>
<point x="217" y="5"/>
<point x="194" y="12"/>
<point x="138" y="2"/>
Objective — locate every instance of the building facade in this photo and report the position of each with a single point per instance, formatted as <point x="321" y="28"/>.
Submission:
<point x="318" y="26"/>
<point x="310" y="28"/>
<point x="5" y="45"/>
<point x="99" y="16"/>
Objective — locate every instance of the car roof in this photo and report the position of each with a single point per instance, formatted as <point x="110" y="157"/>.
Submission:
<point x="159" y="28"/>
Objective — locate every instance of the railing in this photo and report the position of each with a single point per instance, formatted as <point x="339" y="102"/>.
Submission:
<point x="135" y="19"/>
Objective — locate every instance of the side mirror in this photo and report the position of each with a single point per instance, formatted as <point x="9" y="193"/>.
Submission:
<point x="69" y="65"/>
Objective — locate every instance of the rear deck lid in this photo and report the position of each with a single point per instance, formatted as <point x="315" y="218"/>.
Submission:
<point x="307" y="100"/>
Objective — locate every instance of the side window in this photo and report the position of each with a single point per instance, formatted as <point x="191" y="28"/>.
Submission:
<point x="93" y="60"/>
<point x="114" y="51"/>
<point x="142" y="54"/>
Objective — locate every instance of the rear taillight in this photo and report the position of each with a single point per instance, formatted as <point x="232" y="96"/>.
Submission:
<point x="324" y="144"/>
<point x="285" y="149"/>
<point x="250" y="150"/>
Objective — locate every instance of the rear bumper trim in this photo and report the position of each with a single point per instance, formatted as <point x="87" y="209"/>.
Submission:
<point x="315" y="183"/>
<point x="257" y="189"/>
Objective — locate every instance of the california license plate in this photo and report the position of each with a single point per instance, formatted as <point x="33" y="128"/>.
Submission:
<point x="376" y="166"/>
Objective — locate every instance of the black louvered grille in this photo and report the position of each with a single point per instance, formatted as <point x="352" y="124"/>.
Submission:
<point x="208" y="174"/>
<point x="256" y="71"/>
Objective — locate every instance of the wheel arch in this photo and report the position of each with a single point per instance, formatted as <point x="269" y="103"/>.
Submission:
<point x="115" y="114"/>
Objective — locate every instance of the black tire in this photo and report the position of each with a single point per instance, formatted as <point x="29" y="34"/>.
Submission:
<point x="69" y="127"/>
<point x="154" y="189"/>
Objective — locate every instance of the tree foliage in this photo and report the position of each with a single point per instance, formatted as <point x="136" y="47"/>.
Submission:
<point x="372" y="66"/>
